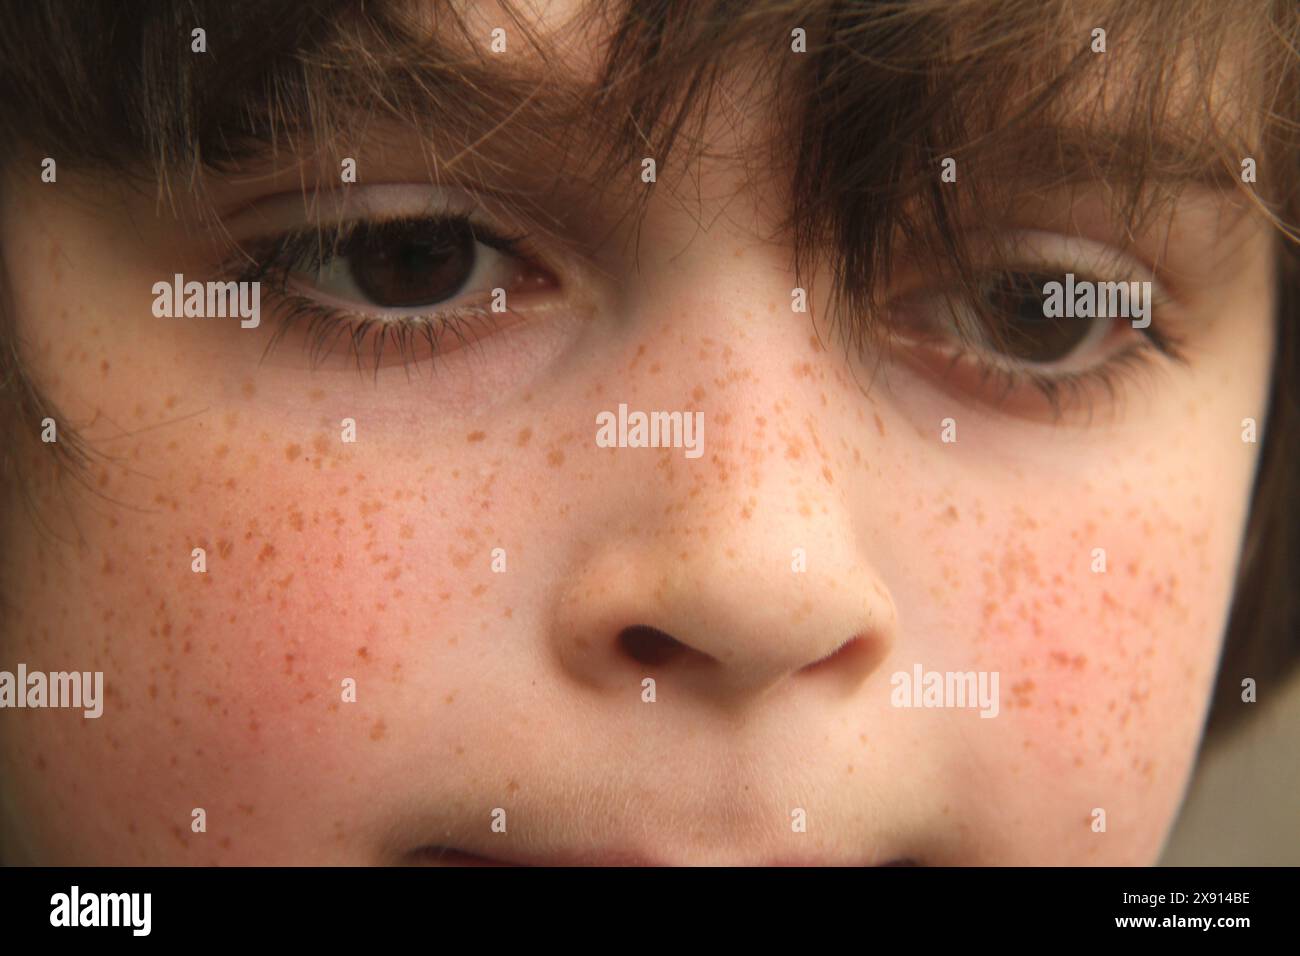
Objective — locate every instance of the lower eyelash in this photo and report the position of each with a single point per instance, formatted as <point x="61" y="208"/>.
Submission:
<point x="1066" y="391"/>
<point x="325" y="326"/>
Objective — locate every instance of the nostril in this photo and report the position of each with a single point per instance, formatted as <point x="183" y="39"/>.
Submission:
<point x="850" y="650"/>
<point x="647" y="645"/>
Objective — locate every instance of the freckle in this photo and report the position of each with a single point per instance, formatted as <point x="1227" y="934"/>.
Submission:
<point x="377" y="731"/>
<point x="248" y="389"/>
<point x="698" y="393"/>
<point x="475" y="436"/>
<point x="316" y="394"/>
<point x="880" y="426"/>
<point x="406" y="532"/>
<point x="292" y="452"/>
<point x="40" y="762"/>
<point x="478" y="590"/>
<point x="460" y="751"/>
<point x="321" y="444"/>
<point x="450" y="698"/>
<point x="511" y="787"/>
<point x="826" y="473"/>
<point x="654" y="368"/>
<point x="524" y="436"/>
<point x="555" y="458"/>
<point x="267" y="552"/>
<point x="222" y="451"/>
<point x="104" y="367"/>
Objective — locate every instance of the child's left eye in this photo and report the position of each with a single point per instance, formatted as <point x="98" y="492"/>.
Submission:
<point x="1008" y="328"/>
<point x="1002" y="339"/>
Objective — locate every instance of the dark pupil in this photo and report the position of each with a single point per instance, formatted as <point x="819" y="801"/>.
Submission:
<point x="410" y="264"/>
<point x="1020" y="330"/>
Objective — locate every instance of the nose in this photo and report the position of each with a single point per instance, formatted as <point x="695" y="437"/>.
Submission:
<point x="726" y="619"/>
<point x="742" y="569"/>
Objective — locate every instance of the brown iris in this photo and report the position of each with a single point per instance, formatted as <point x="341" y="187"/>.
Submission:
<point x="402" y="264"/>
<point x="1016" y="326"/>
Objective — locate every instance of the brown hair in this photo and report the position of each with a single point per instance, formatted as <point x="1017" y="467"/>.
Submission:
<point x="886" y="89"/>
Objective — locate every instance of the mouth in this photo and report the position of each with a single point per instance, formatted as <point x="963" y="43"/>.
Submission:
<point x="452" y="856"/>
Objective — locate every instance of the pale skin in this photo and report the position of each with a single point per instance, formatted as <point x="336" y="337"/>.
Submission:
<point x="478" y="690"/>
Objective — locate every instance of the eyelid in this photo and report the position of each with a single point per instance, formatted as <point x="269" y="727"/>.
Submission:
<point x="1101" y="260"/>
<point x="287" y="211"/>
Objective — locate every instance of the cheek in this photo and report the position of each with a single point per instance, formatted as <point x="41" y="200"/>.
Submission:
<point x="1102" y="612"/>
<point x="331" y="637"/>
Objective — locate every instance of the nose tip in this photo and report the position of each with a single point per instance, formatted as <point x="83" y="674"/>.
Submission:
<point x="717" y="632"/>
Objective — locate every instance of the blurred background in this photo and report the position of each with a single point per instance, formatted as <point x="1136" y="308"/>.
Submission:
<point x="1243" y="805"/>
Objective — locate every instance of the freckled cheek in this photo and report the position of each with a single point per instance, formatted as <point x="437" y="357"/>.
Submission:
<point x="1105" y="672"/>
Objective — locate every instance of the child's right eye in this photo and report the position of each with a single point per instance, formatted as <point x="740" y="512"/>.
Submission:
<point x="414" y="286"/>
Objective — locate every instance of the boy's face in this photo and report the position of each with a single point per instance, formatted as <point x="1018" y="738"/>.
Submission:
<point x="825" y="540"/>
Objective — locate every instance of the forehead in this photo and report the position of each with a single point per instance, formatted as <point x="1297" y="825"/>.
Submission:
<point x="571" y="32"/>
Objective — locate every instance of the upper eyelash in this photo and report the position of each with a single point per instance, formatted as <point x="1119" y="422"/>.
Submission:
<point x="275" y="259"/>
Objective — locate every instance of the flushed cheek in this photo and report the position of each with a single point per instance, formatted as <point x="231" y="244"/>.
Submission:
<point x="269" y="687"/>
<point x="1104" y="636"/>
